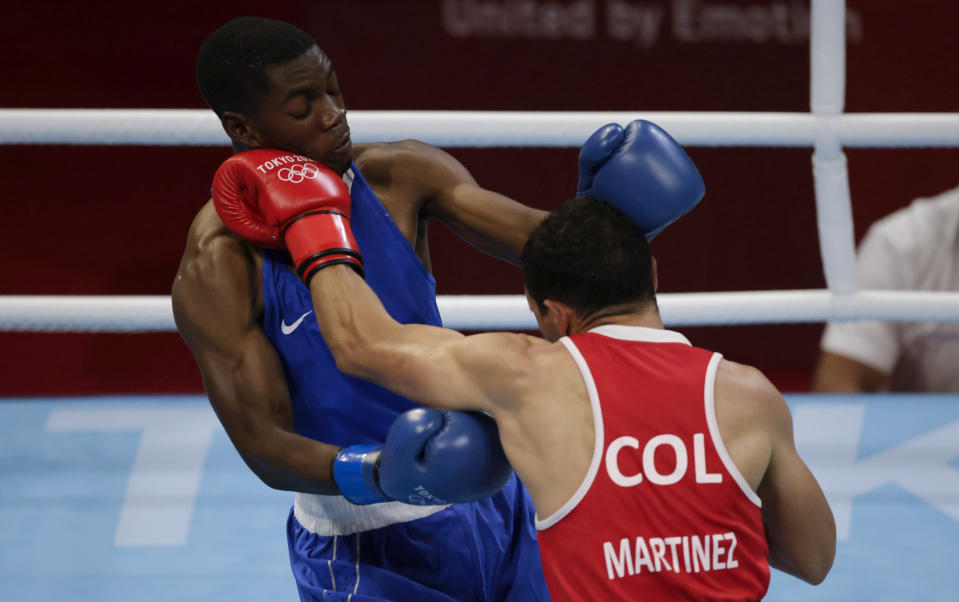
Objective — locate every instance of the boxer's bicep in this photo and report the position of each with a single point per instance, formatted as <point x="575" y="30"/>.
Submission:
<point x="491" y="222"/>
<point x="481" y="372"/>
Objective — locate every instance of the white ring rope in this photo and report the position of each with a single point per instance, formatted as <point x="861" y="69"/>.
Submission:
<point x="827" y="129"/>
<point x="195" y="127"/>
<point x="144" y="313"/>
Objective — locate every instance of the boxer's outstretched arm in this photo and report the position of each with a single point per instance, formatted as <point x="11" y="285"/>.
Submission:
<point x="215" y="310"/>
<point x="491" y="222"/>
<point x="437" y="367"/>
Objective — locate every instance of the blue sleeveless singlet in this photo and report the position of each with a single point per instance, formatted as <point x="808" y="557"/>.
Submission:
<point x="481" y="551"/>
<point x="328" y="405"/>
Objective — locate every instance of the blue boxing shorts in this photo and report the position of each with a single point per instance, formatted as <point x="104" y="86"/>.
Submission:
<point x="481" y="551"/>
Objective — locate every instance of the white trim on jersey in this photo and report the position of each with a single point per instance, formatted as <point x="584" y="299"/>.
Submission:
<point x="348" y="176"/>
<point x="710" y="395"/>
<point x="572" y="502"/>
<point x="640" y="333"/>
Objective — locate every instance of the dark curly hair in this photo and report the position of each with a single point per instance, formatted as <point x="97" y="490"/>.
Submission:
<point x="232" y="62"/>
<point x="590" y="256"/>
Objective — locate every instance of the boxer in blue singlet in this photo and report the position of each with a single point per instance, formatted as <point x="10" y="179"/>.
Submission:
<point x="373" y="555"/>
<point x="246" y="317"/>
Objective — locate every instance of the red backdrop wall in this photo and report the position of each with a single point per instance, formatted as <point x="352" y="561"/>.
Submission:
<point x="112" y="220"/>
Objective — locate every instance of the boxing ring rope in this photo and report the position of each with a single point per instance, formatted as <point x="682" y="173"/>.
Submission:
<point x="826" y="129"/>
<point x="143" y="313"/>
<point x="484" y="129"/>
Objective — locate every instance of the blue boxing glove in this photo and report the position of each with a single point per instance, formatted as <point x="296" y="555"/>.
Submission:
<point x="595" y="152"/>
<point x="648" y="176"/>
<point x="429" y="457"/>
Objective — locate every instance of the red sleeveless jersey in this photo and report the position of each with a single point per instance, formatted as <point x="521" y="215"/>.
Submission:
<point x="663" y="513"/>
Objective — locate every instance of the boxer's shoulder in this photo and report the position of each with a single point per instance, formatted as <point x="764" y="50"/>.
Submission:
<point x="521" y="347"/>
<point x="209" y="239"/>
<point x="521" y="350"/>
<point x="217" y="264"/>
<point x="384" y="158"/>
<point x="555" y="360"/>
<point x="745" y="384"/>
<point x="519" y="362"/>
<point x="750" y="413"/>
<point x="745" y="397"/>
<point x="417" y="167"/>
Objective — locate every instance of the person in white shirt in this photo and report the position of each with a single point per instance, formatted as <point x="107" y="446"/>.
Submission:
<point x="914" y="248"/>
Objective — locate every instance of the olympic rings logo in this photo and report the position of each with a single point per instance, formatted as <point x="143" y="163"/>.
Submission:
<point x="297" y="173"/>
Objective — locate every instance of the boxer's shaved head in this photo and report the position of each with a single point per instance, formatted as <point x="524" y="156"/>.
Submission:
<point x="232" y="63"/>
<point x="590" y="256"/>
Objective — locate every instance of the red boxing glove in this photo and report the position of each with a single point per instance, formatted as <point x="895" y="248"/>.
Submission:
<point x="278" y="199"/>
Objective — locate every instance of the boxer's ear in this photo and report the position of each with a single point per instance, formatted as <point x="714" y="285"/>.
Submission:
<point x="240" y="130"/>
<point x="561" y="318"/>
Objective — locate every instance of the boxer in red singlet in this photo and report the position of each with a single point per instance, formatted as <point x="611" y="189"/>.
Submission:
<point x="658" y="470"/>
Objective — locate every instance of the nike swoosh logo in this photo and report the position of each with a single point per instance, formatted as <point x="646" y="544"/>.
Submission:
<point x="289" y="329"/>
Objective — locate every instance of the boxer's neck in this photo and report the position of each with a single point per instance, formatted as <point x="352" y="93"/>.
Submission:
<point x="648" y="317"/>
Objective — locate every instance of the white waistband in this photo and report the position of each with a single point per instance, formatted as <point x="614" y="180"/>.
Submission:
<point x="335" y="515"/>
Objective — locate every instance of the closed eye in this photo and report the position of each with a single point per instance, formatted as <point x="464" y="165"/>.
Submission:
<point x="306" y="113"/>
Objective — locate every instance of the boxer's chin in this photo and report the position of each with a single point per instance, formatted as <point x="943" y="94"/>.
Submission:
<point x="340" y="157"/>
